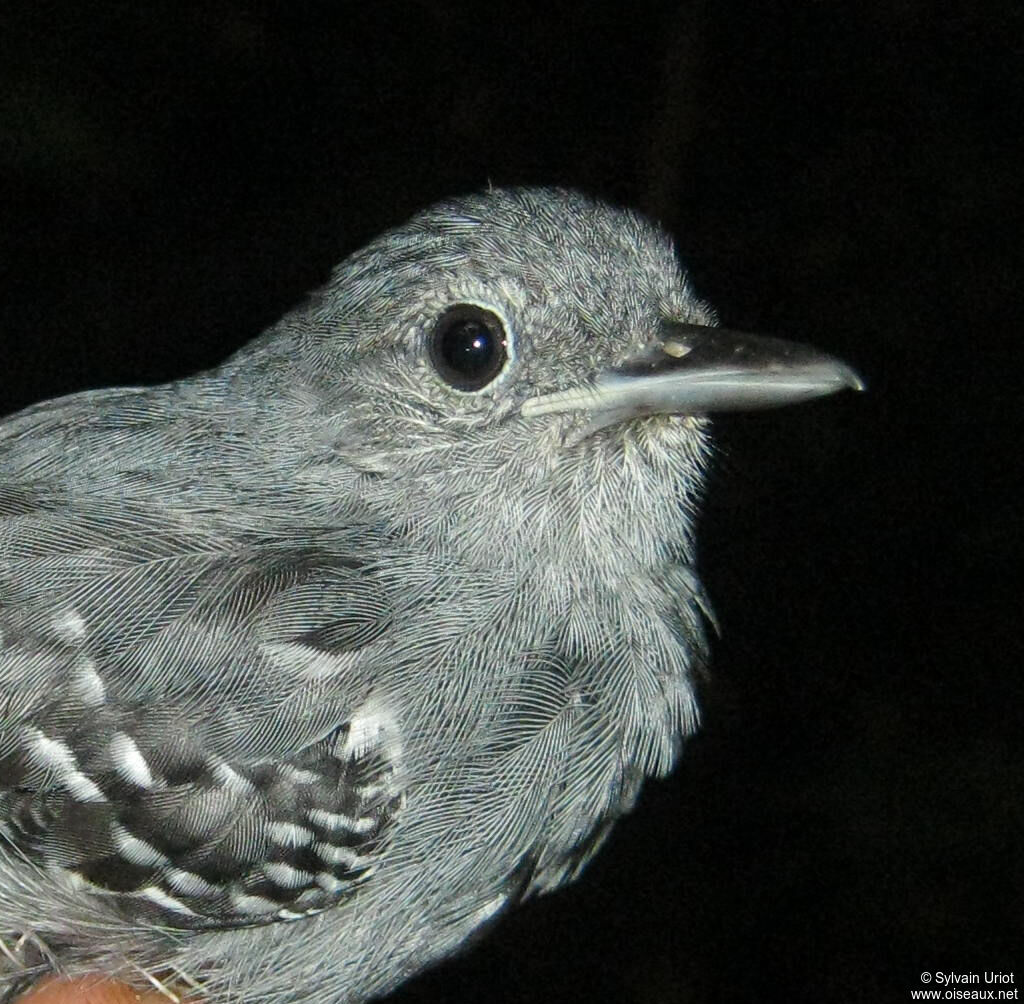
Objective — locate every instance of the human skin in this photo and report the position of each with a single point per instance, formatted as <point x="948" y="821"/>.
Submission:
<point x="89" y="990"/>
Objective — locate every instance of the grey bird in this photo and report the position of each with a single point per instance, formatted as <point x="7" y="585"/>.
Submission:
<point x="313" y="664"/>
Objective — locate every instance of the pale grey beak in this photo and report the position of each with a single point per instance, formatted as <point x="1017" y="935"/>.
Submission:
<point x="693" y="370"/>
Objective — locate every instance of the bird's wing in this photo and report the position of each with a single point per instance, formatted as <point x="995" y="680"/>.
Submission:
<point x="186" y="717"/>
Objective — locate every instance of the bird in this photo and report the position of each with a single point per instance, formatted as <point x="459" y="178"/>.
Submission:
<point x="315" y="663"/>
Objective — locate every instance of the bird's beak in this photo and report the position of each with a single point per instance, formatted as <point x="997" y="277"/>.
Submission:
<point x="692" y="370"/>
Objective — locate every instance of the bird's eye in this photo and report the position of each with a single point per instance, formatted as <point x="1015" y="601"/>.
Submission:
<point x="468" y="346"/>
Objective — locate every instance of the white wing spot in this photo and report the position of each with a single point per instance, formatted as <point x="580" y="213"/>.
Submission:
<point x="231" y="779"/>
<point x="344" y="856"/>
<point x="136" y="851"/>
<point x="285" y="875"/>
<point x="329" y="883"/>
<point x="70" y="626"/>
<point x="335" y="821"/>
<point x="158" y="896"/>
<point x="189" y="884"/>
<point x="308" y="663"/>
<point x="292" y="915"/>
<point x="290" y="835"/>
<point x="57" y="756"/>
<point x="253" y="904"/>
<point x="129" y="761"/>
<point x="88" y="685"/>
<point x="372" y="727"/>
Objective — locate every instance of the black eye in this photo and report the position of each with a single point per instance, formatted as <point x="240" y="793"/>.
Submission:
<point x="468" y="346"/>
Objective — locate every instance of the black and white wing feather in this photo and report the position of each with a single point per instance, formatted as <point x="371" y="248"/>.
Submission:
<point x="185" y="721"/>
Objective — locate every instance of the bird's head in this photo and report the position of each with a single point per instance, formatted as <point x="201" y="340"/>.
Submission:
<point x="529" y="352"/>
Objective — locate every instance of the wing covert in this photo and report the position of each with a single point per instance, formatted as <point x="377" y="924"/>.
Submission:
<point x="183" y="710"/>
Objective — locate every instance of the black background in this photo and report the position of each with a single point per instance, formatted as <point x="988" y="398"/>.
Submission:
<point x="174" y="177"/>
